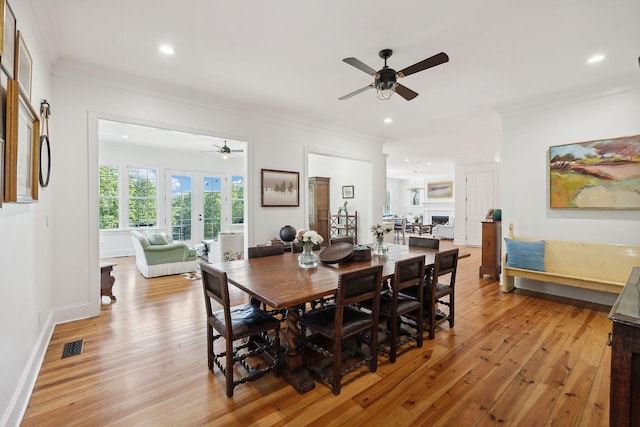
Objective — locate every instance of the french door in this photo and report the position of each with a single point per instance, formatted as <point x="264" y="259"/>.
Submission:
<point x="193" y="205"/>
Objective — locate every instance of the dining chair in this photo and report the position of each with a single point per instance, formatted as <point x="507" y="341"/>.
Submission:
<point x="398" y="308"/>
<point x="246" y="324"/>
<point x="424" y="242"/>
<point x="341" y="322"/>
<point x="399" y="230"/>
<point x="297" y="247"/>
<point x="260" y="252"/>
<point x="334" y="240"/>
<point x="441" y="290"/>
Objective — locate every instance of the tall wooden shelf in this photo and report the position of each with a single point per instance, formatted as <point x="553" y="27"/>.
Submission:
<point x="344" y="226"/>
<point x="491" y="249"/>
<point x="319" y="206"/>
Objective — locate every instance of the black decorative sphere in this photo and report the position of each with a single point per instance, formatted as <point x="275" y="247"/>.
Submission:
<point x="287" y="233"/>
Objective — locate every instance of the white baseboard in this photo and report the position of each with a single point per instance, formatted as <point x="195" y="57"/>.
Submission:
<point x="20" y="399"/>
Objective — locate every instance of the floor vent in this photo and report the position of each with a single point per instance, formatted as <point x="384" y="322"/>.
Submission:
<point x="72" y="348"/>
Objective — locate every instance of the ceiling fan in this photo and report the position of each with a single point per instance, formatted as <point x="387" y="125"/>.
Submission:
<point x="386" y="79"/>
<point x="225" y="151"/>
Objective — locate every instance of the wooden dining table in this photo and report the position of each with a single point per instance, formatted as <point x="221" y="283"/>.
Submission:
<point x="279" y="282"/>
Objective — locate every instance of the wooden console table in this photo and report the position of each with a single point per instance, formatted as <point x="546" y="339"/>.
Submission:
<point x="107" y="280"/>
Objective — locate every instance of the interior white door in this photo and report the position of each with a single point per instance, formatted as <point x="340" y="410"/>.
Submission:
<point x="194" y="206"/>
<point x="480" y="198"/>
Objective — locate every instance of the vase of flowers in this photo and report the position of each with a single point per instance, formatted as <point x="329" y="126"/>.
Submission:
<point x="308" y="238"/>
<point x="378" y="231"/>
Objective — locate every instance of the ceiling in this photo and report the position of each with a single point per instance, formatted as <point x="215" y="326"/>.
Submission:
<point x="284" y="59"/>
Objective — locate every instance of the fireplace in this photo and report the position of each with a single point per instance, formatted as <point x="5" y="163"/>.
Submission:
<point x="435" y="219"/>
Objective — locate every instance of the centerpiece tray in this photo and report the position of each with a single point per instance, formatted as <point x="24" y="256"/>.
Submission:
<point x="338" y="252"/>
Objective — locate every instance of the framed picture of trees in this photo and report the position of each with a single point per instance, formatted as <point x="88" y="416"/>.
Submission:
<point x="280" y="188"/>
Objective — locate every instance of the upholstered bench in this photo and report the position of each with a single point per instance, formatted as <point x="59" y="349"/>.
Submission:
<point x="599" y="266"/>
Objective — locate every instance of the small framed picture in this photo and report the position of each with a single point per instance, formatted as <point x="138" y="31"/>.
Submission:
<point x="24" y="67"/>
<point x="280" y="188"/>
<point x="8" y="39"/>
<point x="347" y="191"/>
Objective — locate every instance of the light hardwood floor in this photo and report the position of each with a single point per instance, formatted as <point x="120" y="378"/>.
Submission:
<point x="519" y="359"/>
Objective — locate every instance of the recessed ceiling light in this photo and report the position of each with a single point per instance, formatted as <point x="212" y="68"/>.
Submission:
<point x="595" y="59"/>
<point x="166" y="49"/>
<point x="406" y="160"/>
<point x="125" y="136"/>
<point x="388" y="120"/>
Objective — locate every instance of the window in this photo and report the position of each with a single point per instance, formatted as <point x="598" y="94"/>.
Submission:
<point x="109" y="198"/>
<point x="143" y="199"/>
<point x="212" y="206"/>
<point x="237" y="200"/>
<point x="387" y="202"/>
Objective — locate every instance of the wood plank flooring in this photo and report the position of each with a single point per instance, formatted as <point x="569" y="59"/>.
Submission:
<point x="521" y="359"/>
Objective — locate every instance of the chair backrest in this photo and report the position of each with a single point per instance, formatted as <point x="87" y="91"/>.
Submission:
<point x="400" y="224"/>
<point x="446" y="262"/>
<point x="262" y="251"/>
<point x="216" y="287"/>
<point x="357" y="286"/>
<point x="348" y="239"/>
<point x="424" y="242"/>
<point x="408" y="273"/>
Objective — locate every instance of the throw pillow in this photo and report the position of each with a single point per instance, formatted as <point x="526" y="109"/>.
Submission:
<point x="526" y="255"/>
<point x="157" y="239"/>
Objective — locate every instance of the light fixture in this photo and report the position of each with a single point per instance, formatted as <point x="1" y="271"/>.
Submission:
<point x="388" y="120"/>
<point x="595" y="59"/>
<point x="415" y="185"/>
<point x="166" y="49"/>
<point x="385" y="79"/>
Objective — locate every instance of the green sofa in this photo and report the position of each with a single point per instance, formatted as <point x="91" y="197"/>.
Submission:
<point x="157" y="255"/>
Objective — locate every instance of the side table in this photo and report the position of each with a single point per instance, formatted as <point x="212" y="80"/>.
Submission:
<point x="107" y="280"/>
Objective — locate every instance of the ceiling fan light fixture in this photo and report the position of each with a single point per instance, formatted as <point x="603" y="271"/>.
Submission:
<point x="225" y="156"/>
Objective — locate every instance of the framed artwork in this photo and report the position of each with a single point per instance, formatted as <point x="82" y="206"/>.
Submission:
<point x="601" y="174"/>
<point x="440" y="189"/>
<point x="8" y="39"/>
<point x="24" y="66"/>
<point x="280" y="188"/>
<point x="22" y="148"/>
<point x="489" y="216"/>
<point x="347" y="191"/>
<point x="2" y="6"/>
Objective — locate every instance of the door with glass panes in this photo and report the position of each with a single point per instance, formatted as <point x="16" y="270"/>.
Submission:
<point x="194" y="206"/>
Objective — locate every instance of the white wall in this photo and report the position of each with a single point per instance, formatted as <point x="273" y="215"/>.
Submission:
<point x="26" y="258"/>
<point x="525" y="188"/>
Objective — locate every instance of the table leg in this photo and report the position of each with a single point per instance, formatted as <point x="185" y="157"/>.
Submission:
<point x="293" y="371"/>
<point x="106" y="282"/>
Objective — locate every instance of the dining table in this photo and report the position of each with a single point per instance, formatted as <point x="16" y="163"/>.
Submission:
<point x="279" y="282"/>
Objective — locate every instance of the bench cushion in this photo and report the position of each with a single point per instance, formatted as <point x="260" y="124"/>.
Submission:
<point x="524" y="254"/>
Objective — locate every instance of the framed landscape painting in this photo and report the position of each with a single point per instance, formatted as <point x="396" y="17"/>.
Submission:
<point x="280" y="188"/>
<point x="440" y="189"/>
<point x="602" y="174"/>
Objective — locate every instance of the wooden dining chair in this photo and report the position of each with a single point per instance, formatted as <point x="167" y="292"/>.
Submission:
<point x="424" y="242"/>
<point x="398" y="308"/>
<point x="399" y="230"/>
<point x="257" y="332"/>
<point x="441" y="290"/>
<point x="342" y="321"/>
<point x="296" y="247"/>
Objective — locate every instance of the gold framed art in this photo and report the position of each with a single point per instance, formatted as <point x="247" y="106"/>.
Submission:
<point x="8" y="38"/>
<point x="23" y="137"/>
<point x="24" y="67"/>
<point x="440" y="189"/>
<point x="280" y="188"/>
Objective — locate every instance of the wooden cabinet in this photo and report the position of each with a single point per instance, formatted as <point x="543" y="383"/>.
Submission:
<point x="319" y="206"/>
<point x="343" y="226"/>
<point x="625" y="355"/>
<point x="491" y="249"/>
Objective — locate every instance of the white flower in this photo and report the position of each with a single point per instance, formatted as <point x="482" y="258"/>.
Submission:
<point x="380" y="230"/>
<point x="309" y="236"/>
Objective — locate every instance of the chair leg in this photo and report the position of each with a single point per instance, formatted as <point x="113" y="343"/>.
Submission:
<point x="229" y="366"/>
<point x="419" y="328"/>
<point x="337" y="366"/>
<point x="394" y="338"/>
<point x="210" y="346"/>
<point x="373" y="347"/>
<point x="451" y="308"/>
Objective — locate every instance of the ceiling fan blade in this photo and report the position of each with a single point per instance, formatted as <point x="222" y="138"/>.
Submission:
<point x="437" y="59"/>
<point x="360" y="65"/>
<point x="354" y="93"/>
<point x="405" y="92"/>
